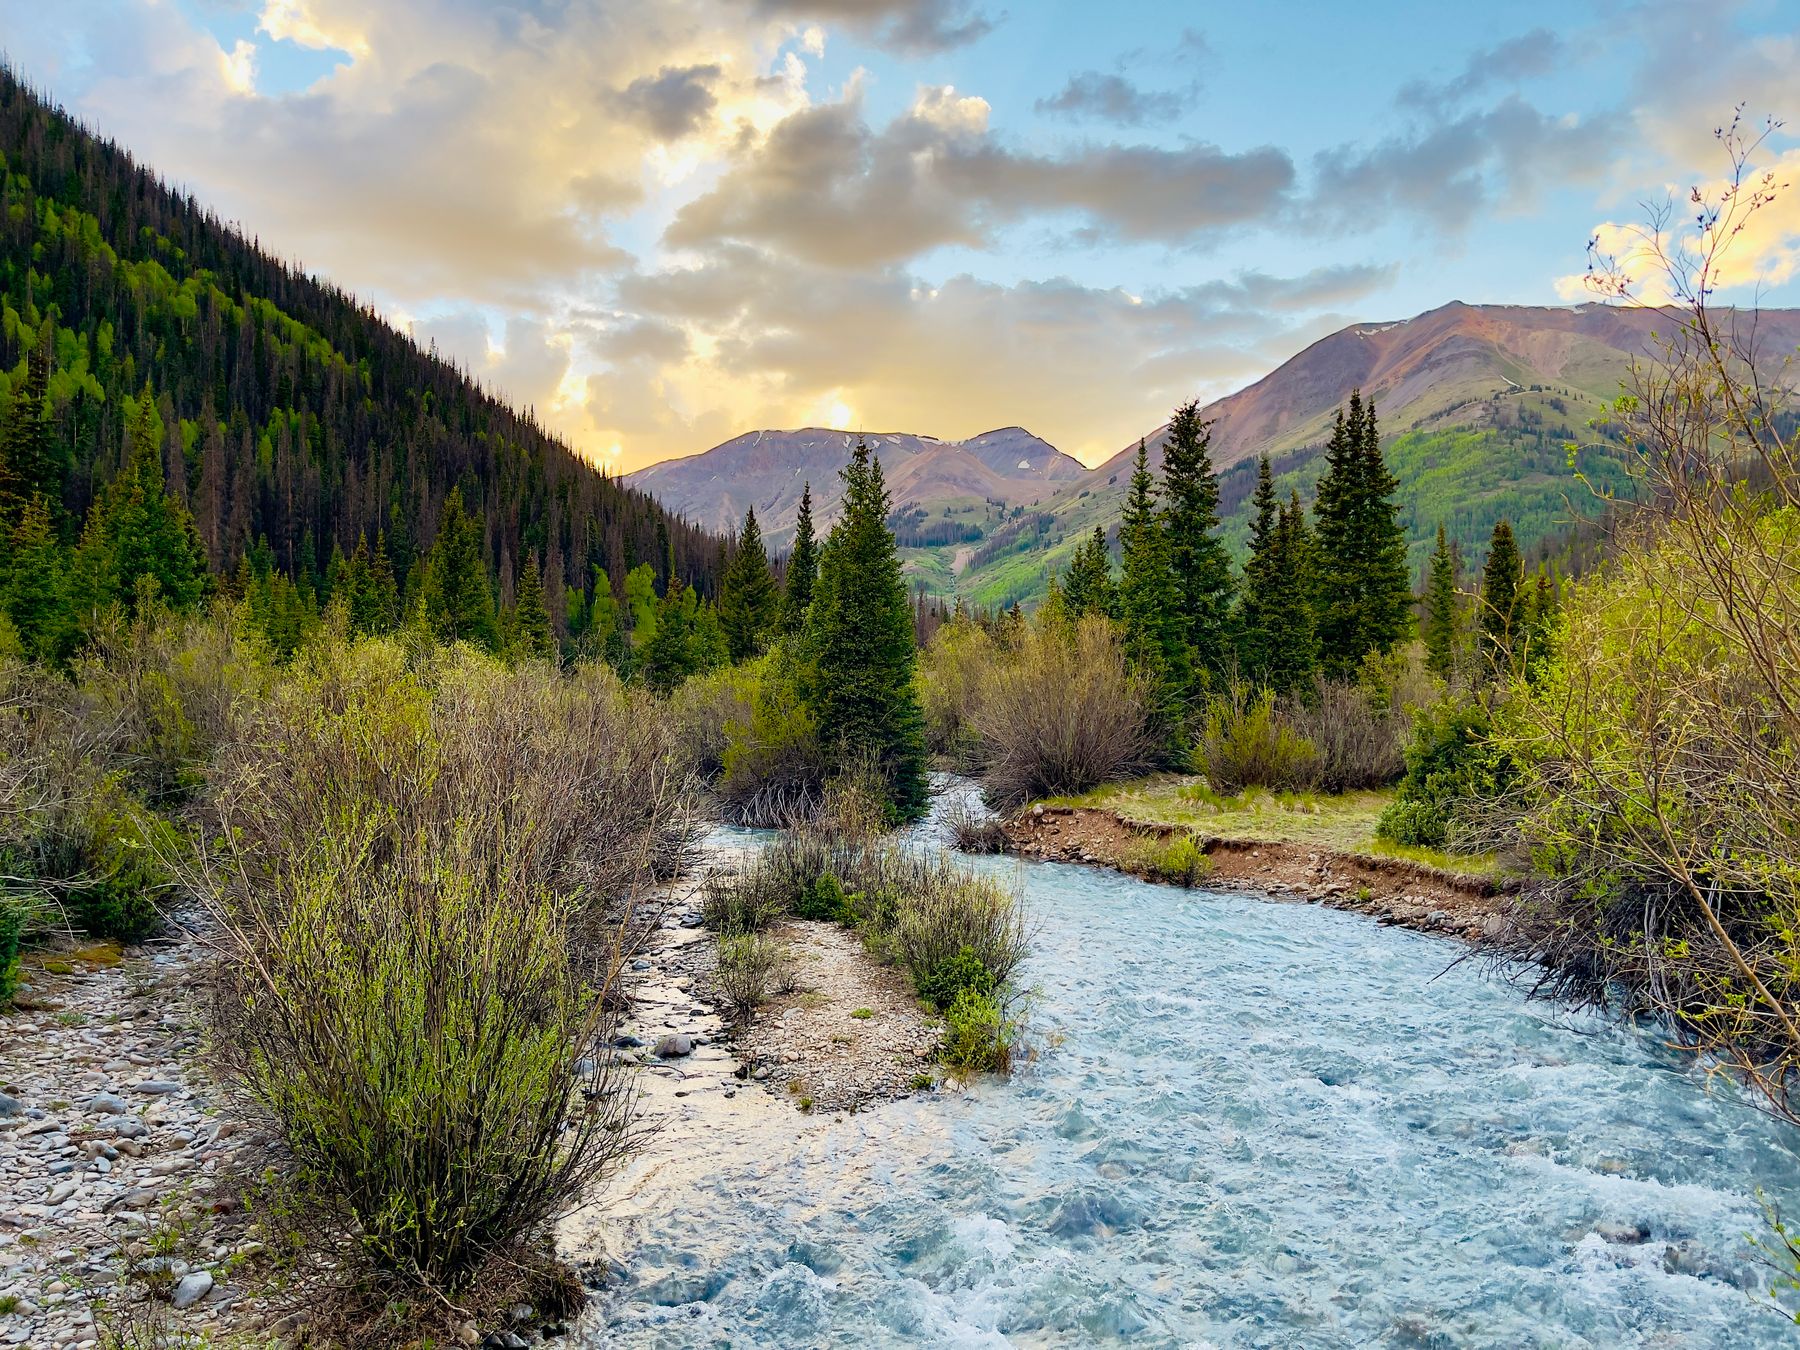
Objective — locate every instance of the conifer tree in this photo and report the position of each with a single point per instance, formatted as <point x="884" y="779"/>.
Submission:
<point x="1197" y="557"/>
<point x="27" y="463"/>
<point x="748" y="600"/>
<point x="531" y="620"/>
<point x="1501" y="582"/>
<point x="138" y="531"/>
<point x="1087" y="586"/>
<point x="1440" y="620"/>
<point x="457" y="598"/>
<point x="383" y="610"/>
<point x="33" y="592"/>
<point x="1291" y="662"/>
<point x="1155" y="643"/>
<point x="1256" y="596"/>
<point x="670" y="655"/>
<point x="802" y="568"/>
<point x="860" y="631"/>
<point x="1365" y="595"/>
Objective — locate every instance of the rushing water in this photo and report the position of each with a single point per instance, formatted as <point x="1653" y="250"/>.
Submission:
<point x="1246" y="1123"/>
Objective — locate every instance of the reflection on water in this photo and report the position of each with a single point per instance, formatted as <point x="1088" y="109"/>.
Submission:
<point x="1249" y="1124"/>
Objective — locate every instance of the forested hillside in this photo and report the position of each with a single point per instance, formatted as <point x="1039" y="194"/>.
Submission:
<point x="295" y="434"/>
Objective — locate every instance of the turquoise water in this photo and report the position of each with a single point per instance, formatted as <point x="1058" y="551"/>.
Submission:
<point x="1246" y="1124"/>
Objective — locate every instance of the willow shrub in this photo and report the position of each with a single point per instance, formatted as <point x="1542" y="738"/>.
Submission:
<point x="1247" y="742"/>
<point x="1060" y="714"/>
<point x="426" y="865"/>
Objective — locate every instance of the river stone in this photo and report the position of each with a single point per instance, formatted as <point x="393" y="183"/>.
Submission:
<point x="192" y="1289"/>
<point x="10" y="1106"/>
<point x="674" y="1047"/>
<point x="157" y="1087"/>
<point x="107" y="1104"/>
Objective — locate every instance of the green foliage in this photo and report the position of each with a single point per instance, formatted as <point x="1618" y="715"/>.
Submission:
<point x="1178" y="859"/>
<point x="1452" y="765"/>
<point x="824" y="901"/>
<point x="1198" y="563"/>
<point x="1155" y="639"/>
<point x="860" y="635"/>
<point x="34" y="587"/>
<point x="15" y="911"/>
<point x="979" y="1037"/>
<point x="457" y="597"/>
<point x="942" y="983"/>
<point x="532" y="634"/>
<point x="1088" y="586"/>
<point x="954" y="670"/>
<point x="1502" y="586"/>
<point x="802" y="569"/>
<point x="1246" y="743"/>
<point x="1441" y="618"/>
<point x="1364" y="587"/>
<point x="771" y="766"/>
<point x="112" y="852"/>
<point x="750" y="966"/>
<point x="748" y="601"/>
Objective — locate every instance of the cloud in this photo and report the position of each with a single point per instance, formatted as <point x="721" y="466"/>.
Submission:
<point x="1524" y="57"/>
<point x="907" y="26"/>
<point x="1454" y="171"/>
<point x="674" y="102"/>
<point x="1761" y="246"/>
<point x="1109" y="98"/>
<point x="825" y="187"/>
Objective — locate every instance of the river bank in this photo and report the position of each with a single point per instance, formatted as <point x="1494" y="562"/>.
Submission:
<point x="1389" y="890"/>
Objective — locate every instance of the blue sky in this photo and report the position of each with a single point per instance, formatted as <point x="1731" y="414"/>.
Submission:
<point x="664" y="222"/>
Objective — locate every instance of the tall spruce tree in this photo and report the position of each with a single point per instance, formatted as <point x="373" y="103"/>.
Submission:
<point x="1440" y="617"/>
<point x="1501" y="583"/>
<point x="802" y="568"/>
<point x="748" y="600"/>
<point x="28" y="467"/>
<point x="1087" y="587"/>
<point x="1292" y="653"/>
<point x="531" y="619"/>
<point x="1256" y="595"/>
<point x="1197" y="558"/>
<point x="457" y="598"/>
<point x="1155" y="637"/>
<point x="860" y="630"/>
<point x="1364" y="598"/>
<point x="33" y="586"/>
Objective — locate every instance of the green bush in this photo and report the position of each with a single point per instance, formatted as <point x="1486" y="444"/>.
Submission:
<point x="1248" y="743"/>
<point x="750" y="967"/>
<point x="942" y="984"/>
<point x="825" y="901"/>
<point x="1178" y="859"/>
<point x="979" y="1036"/>
<point x="1452" y="764"/>
<point x="104" y="862"/>
<point x="13" y="915"/>
<point x="730" y="905"/>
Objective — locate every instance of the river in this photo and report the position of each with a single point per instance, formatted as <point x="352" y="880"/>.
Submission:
<point x="1245" y="1123"/>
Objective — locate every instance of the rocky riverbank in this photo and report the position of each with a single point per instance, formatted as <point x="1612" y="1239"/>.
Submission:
<point x="1389" y="890"/>
<point x="116" y="1155"/>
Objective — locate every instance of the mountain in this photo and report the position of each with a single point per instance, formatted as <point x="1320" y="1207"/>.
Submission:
<point x="949" y="482"/>
<point x="294" y="420"/>
<point x="1476" y="403"/>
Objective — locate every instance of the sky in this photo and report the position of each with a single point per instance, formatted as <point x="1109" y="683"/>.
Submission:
<point x="661" y="223"/>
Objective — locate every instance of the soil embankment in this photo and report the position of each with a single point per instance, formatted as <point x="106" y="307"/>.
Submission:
<point x="1390" y="890"/>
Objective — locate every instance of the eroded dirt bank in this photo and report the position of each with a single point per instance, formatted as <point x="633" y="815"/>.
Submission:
<point x="1392" y="891"/>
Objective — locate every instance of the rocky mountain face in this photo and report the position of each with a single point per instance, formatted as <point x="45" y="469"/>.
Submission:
<point x="983" y="475"/>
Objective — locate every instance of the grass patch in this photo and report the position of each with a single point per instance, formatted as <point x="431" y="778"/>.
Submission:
<point x="1343" y="822"/>
<point x="862" y="1014"/>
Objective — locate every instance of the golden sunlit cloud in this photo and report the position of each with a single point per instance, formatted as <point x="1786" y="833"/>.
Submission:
<point x="239" y="65"/>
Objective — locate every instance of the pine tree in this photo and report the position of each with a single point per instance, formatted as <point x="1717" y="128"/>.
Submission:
<point x="1291" y="662"/>
<point x="33" y="593"/>
<point x="1501" y="582"/>
<point x="531" y="620"/>
<point x="860" y="631"/>
<point x="802" y="568"/>
<point x="669" y="656"/>
<point x="1155" y="643"/>
<point x="1087" y="586"/>
<point x="1256" y="596"/>
<point x="1364" y="599"/>
<point x="1197" y="557"/>
<point x="384" y="590"/>
<point x="1440" y="620"/>
<point x="138" y="532"/>
<point x="748" y="600"/>
<point x="28" y="468"/>
<point x="457" y="598"/>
